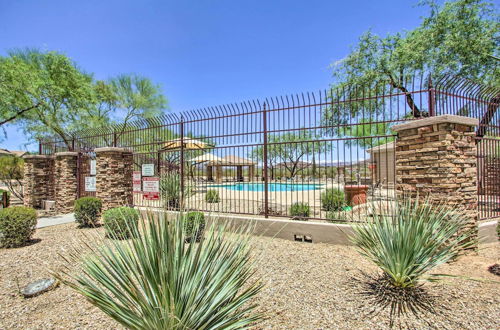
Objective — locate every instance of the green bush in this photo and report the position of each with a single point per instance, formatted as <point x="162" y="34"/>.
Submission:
<point x="87" y="211"/>
<point x="212" y="196"/>
<point x="412" y="239"/>
<point x="194" y="226"/>
<point x="333" y="199"/>
<point x="158" y="282"/>
<point x="17" y="225"/>
<point x="339" y="216"/>
<point x="300" y="209"/>
<point x="8" y="197"/>
<point x="120" y="222"/>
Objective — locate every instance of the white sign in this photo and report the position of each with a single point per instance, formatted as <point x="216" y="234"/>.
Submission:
<point x="90" y="183"/>
<point x="151" y="188"/>
<point x="93" y="170"/>
<point x="136" y="181"/>
<point x="148" y="169"/>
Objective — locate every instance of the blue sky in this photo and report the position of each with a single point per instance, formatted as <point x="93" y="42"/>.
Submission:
<point x="202" y="53"/>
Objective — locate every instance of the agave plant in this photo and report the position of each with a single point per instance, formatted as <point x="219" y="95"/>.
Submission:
<point x="157" y="281"/>
<point x="410" y="239"/>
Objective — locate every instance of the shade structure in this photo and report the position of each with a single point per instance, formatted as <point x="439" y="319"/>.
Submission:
<point x="208" y="157"/>
<point x="232" y="160"/>
<point x="189" y="144"/>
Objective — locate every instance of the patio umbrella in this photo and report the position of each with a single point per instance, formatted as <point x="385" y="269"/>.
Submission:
<point x="189" y="144"/>
<point x="206" y="158"/>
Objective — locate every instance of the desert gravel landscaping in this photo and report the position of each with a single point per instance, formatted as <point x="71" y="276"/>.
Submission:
<point x="308" y="286"/>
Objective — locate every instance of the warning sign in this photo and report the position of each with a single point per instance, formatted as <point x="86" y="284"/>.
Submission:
<point x="90" y="183"/>
<point x="136" y="181"/>
<point x="151" y="188"/>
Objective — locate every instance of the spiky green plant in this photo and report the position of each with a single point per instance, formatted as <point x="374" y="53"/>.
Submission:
<point x="171" y="192"/>
<point x="157" y="281"/>
<point x="410" y="239"/>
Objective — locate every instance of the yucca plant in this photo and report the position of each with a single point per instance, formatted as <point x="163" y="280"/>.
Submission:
<point x="410" y="239"/>
<point x="157" y="281"/>
<point x="170" y="190"/>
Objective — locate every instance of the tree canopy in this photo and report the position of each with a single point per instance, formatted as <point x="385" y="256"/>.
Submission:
<point x="459" y="37"/>
<point x="288" y="150"/>
<point x="47" y="94"/>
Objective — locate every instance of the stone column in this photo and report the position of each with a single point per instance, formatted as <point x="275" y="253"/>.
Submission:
<point x="114" y="177"/>
<point x="436" y="156"/>
<point x="38" y="180"/>
<point x="66" y="182"/>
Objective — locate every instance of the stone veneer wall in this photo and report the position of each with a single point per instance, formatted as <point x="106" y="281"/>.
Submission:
<point x="66" y="191"/>
<point x="114" y="177"/>
<point x="436" y="156"/>
<point x="38" y="180"/>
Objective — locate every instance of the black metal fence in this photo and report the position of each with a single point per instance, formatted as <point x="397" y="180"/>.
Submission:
<point x="324" y="155"/>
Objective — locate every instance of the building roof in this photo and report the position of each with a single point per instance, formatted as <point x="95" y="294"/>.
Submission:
<point x="382" y="148"/>
<point x="232" y="160"/>
<point x="18" y="153"/>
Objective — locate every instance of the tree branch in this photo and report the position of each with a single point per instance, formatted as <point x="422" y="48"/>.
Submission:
<point x="20" y="113"/>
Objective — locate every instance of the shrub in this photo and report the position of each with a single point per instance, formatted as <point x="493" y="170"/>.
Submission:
<point x="300" y="210"/>
<point x="339" y="216"/>
<point x="212" y="196"/>
<point x="210" y="285"/>
<point x="17" y="225"/>
<point x="333" y="199"/>
<point x="87" y="211"/>
<point x="8" y="197"/>
<point x="194" y="226"/>
<point x="170" y="190"/>
<point x="120" y="222"/>
<point x="411" y="240"/>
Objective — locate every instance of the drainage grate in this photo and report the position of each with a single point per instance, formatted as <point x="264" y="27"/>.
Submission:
<point x="303" y="238"/>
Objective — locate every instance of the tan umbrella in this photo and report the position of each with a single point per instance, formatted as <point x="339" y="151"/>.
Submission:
<point x="206" y="158"/>
<point x="189" y="144"/>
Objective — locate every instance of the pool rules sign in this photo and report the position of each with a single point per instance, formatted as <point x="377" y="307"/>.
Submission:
<point x="151" y="188"/>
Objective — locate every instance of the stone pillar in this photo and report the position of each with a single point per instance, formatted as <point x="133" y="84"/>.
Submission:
<point x="38" y="180"/>
<point x="66" y="182"/>
<point x="436" y="156"/>
<point x="114" y="177"/>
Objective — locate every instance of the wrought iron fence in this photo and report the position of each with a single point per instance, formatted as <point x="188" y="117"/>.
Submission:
<point x="297" y="155"/>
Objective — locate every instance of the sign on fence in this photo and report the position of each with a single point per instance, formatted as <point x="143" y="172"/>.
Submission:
<point x="148" y="169"/>
<point x="136" y="181"/>
<point x="90" y="183"/>
<point x="93" y="169"/>
<point x="151" y="188"/>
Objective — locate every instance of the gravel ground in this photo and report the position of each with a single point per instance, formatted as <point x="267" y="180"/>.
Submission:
<point x="308" y="286"/>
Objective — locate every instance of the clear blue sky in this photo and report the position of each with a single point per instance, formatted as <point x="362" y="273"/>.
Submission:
<point x="203" y="52"/>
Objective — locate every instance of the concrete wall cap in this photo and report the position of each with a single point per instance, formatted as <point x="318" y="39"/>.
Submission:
<point x="66" y="153"/>
<point x="111" y="149"/>
<point x="37" y="157"/>
<point x="452" y="119"/>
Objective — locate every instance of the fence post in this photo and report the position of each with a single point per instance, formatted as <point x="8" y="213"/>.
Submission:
<point x="432" y="99"/>
<point x="181" y="130"/>
<point x="40" y="149"/>
<point x="264" y="165"/>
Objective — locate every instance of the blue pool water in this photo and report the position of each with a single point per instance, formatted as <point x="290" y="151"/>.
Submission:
<point x="272" y="186"/>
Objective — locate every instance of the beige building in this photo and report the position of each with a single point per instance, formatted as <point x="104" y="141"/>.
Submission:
<point x="383" y="163"/>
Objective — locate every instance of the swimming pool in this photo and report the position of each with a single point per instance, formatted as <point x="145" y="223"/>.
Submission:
<point x="272" y="186"/>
